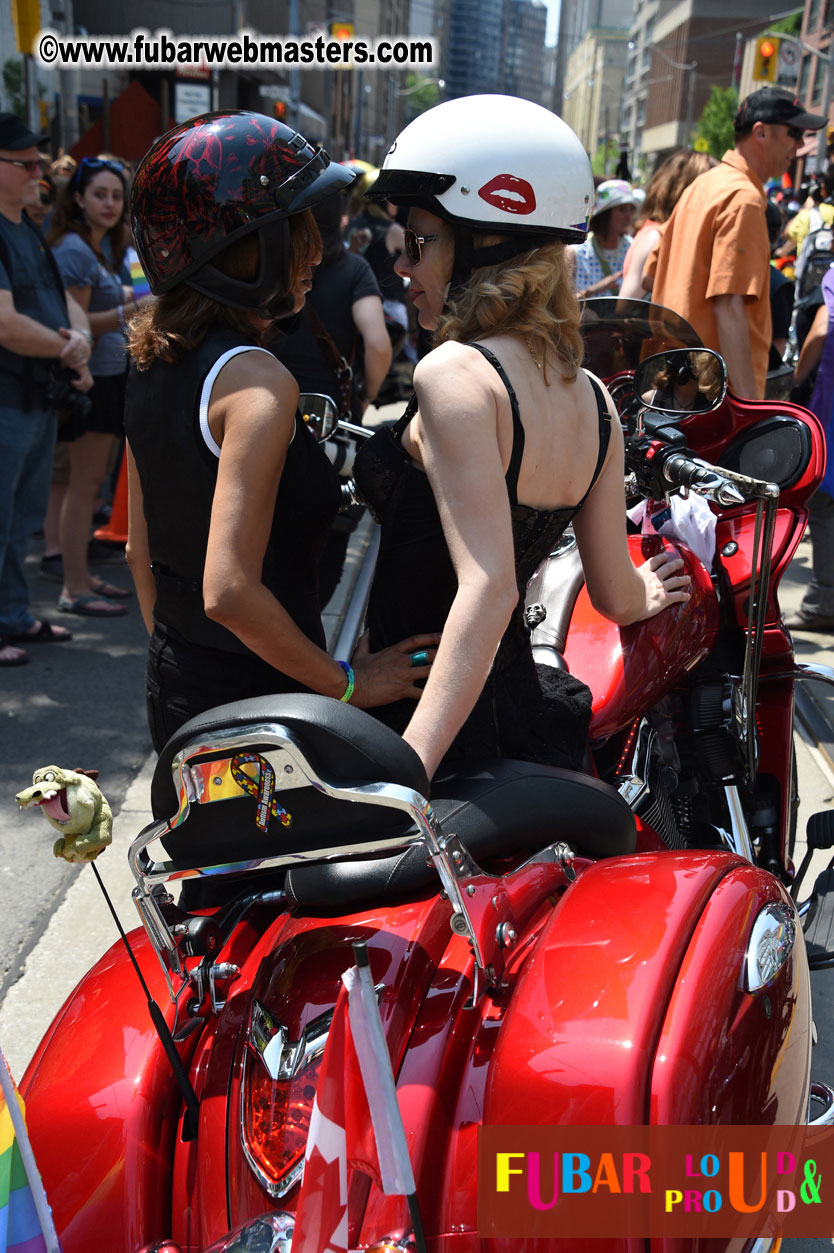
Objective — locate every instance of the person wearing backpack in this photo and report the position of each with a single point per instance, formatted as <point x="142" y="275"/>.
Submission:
<point x="41" y="330"/>
<point x="814" y="257"/>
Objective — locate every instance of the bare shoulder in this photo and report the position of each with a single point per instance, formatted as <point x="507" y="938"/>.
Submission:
<point x="255" y="369"/>
<point x="584" y="378"/>
<point x="451" y="367"/>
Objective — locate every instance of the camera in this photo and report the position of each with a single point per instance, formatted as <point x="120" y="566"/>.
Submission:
<point x="73" y="407"/>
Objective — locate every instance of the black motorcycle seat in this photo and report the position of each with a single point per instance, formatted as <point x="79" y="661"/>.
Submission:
<point x="342" y="744"/>
<point x="496" y="809"/>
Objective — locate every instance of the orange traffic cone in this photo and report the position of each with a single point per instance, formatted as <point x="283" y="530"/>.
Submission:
<point x="115" y="530"/>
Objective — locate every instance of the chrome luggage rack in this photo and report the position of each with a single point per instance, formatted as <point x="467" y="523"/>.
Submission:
<point x="203" y="774"/>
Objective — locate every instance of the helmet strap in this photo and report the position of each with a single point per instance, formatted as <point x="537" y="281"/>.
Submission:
<point x="469" y="258"/>
<point x="268" y="293"/>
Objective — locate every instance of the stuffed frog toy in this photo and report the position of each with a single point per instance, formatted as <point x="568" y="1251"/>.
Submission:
<point x="74" y="806"/>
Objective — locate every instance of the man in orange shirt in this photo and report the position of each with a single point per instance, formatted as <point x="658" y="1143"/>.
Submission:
<point x="711" y="264"/>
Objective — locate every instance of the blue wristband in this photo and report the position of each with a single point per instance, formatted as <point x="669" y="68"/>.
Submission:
<point x="348" y="692"/>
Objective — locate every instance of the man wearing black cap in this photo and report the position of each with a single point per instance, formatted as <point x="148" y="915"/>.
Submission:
<point x="712" y="262"/>
<point x="40" y="329"/>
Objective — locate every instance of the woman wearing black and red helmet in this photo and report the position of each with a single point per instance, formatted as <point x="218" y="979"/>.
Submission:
<point x="506" y="441"/>
<point x="230" y="496"/>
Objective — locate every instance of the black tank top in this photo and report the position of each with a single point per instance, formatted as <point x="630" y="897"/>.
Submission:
<point x="415" y="584"/>
<point x="178" y="472"/>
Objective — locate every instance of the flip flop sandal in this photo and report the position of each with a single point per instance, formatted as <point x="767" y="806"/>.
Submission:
<point x="19" y="659"/>
<point x="109" y="590"/>
<point x="90" y="606"/>
<point x="45" y="634"/>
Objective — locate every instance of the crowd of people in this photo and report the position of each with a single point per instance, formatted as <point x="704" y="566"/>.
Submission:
<point x="265" y="283"/>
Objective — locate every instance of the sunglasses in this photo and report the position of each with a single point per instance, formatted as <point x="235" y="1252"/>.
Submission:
<point x="413" y="245"/>
<point x="795" y="134"/>
<point x="31" y="167"/>
<point x="94" y="164"/>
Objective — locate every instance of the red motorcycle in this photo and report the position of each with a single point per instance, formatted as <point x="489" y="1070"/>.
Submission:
<point x="616" y="947"/>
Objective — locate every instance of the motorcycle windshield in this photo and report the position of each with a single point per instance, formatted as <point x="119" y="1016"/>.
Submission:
<point x="619" y="334"/>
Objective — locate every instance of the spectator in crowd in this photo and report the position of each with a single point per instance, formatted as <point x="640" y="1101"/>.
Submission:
<point x="817" y="211"/>
<point x="39" y="202"/>
<point x="89" y="239"/>
<point x="41" y="330"/>
<point x="816" y="613"/>
<point x="781" y="292"/>
<point x="665" y="188"/>
<point x="598" y="261"/>
<point x="713" y="260"/>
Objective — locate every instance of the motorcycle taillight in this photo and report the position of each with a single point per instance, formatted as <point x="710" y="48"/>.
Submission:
<point x="278" y="1086"/>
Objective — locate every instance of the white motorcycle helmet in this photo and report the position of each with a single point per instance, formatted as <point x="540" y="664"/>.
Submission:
<point x="496" y="164"/>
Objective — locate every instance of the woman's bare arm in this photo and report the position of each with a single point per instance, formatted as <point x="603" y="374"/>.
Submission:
<point x="137" y="551"/>
<point x="252" y="417"/>
<point x="457" y="438"/>
<point x="619" y="590"/>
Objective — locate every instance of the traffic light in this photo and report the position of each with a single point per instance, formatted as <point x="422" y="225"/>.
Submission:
<point x="766" y="65"/>
<point x="280" y="107"/>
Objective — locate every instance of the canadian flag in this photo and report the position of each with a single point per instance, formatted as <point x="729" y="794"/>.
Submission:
<point x="355" y="1121"/>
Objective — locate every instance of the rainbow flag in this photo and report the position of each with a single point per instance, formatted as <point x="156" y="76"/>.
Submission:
<point x="24" y="1212"/>
<point x="141" y="286"/>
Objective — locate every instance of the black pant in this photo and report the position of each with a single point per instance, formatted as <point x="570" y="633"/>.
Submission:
<point x="183" y="680"/>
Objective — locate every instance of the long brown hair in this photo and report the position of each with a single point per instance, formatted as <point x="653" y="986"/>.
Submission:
<point x="669" y="182"/>
<point x="180" y="319"/>
<point x="69" y="216"/>
<point x="531" y="294"/>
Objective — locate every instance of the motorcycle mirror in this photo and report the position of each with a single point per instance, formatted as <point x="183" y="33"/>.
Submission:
<point x="681" y="381"/>
<point x="320" y="414"/>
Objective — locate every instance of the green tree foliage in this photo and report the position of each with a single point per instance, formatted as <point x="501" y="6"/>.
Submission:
<point x="598" y="161"/>
<point x="13" y="84"/>
<point x="426" y="95"/>
<point x="790" y="25"/>
<point x="715" y="125"/>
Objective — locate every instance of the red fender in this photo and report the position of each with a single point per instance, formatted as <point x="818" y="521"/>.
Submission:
<point x="734" y="1056"/>
<point x="101" y="1108"/>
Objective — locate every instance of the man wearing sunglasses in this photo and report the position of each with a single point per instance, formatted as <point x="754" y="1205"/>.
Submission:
<point x="712" y="262"/>
<point x="40" y="329"/>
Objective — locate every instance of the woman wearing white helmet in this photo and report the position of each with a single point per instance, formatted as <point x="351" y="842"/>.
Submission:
<point x="505" y="440"/>
<point x="598" y="260"/>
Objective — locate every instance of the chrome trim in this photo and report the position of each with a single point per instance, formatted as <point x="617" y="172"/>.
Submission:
<point x="634" y="786"/>
<point x="740" y="836"/>
<point x="282" y="1058"/>
<point x="763" y="1245"/>
<point x="774" y="923"/>
<point x="475" y="919"/>
<point x="355" y="614"/>
<point x="278" y="1225"/>
<point x="814" y="670"/>
<point x="282" y="1063"/>
<point x="821" y="1093"/>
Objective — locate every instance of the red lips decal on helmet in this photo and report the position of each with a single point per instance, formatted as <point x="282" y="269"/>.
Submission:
<point x="509" y="193"/>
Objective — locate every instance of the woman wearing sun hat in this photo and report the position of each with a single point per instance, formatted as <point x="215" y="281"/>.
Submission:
<point x="598" y="261"/>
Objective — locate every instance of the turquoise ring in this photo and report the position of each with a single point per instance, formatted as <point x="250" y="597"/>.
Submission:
<point x="420" y="658"/>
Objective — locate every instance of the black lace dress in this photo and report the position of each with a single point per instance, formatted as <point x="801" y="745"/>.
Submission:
<point x="527" y="712"/>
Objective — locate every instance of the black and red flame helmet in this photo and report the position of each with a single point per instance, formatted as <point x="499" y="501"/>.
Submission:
<point x="214" y="179"/>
